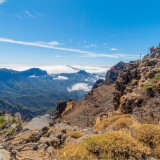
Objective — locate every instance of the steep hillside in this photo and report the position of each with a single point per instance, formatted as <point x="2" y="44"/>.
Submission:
<point x="111" y="75"/>
<point x="84" y="113"/>
<point x="136" y="91"/>
<point x="98" y="101"/>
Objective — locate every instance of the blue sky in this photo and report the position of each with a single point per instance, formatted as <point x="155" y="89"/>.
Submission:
<point x="77" y="32"/>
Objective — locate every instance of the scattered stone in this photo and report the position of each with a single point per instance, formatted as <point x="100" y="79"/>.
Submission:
<point x="18" y="117"/>
<point x="64" y="131"/>
<point x="45" y="130"/>
<point x="40" y="122"/>
<point x="52" y="135"/>
<point x="35" y="136"/>
<point x="55" y="143"/>
<point x="4" y="155"/>
<point x="35" y="147"/>
<point x="25" y="130"/>
<point x="17" y="127"/>
<point x="45" y="146"/>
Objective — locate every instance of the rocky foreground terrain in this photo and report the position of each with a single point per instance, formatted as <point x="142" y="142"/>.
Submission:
<point x="118" y="119"/>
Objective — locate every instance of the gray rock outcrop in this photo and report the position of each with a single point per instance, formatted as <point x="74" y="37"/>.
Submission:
<point x="40" y="122"/>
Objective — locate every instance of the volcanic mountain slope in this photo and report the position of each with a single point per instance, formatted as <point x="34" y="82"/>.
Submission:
<point x="117" y="113"/>
<point x="136" y="91"/>
<point x="98" y="101"/>
<point x="84" y="113"/>
<point x="111" y="75"/>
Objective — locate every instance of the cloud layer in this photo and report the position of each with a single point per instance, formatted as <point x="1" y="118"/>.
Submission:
<point x="61" y="78"/>
<point x="57" y="69"/>
<point x="80" y="86"/>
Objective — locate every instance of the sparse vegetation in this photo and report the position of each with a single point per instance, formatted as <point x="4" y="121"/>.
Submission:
<point x="119" y="120"/>
<point x="76" y="152"/>
<point x="2" y="119"/>
<point x="149" y="134"/>
<point x="153" y="83"/>
<point x="14" y="121"/>
<point x="124" y="123"/>
<point x="75" y="134"/>
<point x="111" y="145"/>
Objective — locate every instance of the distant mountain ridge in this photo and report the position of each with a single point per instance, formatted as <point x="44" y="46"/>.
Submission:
<point x="38" y="92"/>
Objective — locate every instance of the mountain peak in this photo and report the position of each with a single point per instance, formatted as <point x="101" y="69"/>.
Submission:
<point x="82" y="72"/>
<point x="34" y="71"/>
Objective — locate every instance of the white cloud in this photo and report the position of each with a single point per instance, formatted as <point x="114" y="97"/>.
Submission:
<point x="61" y="78"/>
<point x="37" y="44"/>
<point x="113" y="49"/>
<point x="2" y="1"/>
<point x="58" y="56"/>
<point x="57" y="69"/>
<point x="80" y="86"/>
<point x="93" y="69"/>
<point x="53" y="43"/>
<point x="90" y="46"/>
<point x="28" y="13"/>
<point x="86" y="53"/>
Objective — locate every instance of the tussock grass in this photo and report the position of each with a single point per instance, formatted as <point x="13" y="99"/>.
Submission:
<point x="149" y="134"/>
<point x="76" y="152"/>
<point x="111" y="145"/>
<point x="75" y="134"/>
<point x="120" y="120"/>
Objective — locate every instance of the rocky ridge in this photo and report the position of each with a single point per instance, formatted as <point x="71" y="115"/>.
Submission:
<point x="114" y="121"/>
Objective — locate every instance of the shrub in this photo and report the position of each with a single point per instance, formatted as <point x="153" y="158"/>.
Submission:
<point x="115" y="145"/>
<point x="123" y="123"/>
<point x="153" y="83"/>
<point x="110" y="145"/>
<point x="109" y="121"/>
<point x="13" y="120"/>
<point x="2" y="125"/>
<point x="149" y="134"/>
<point x="2" y="119"/>
<point x="76" y="152"/>
<point x="75" y="134"/>
<point x="10" y="131"/>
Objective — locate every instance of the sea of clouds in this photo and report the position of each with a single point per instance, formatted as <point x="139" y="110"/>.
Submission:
<point x="58" y="69"/>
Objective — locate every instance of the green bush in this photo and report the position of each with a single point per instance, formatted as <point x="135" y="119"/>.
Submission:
<point x="2" y="126"/>
<point x="2" y="119"/>
<point x="153" y="83"/>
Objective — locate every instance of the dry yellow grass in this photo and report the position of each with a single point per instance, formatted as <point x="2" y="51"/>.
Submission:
<point x="75" y="134"/>
<point x="117" y="119"/>
<point x="75" y="152"/>
<point x="111" y="145"/>
<point x="149" y="134"/>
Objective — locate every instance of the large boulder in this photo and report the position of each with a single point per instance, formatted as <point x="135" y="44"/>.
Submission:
<point x="40" y="122"/>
